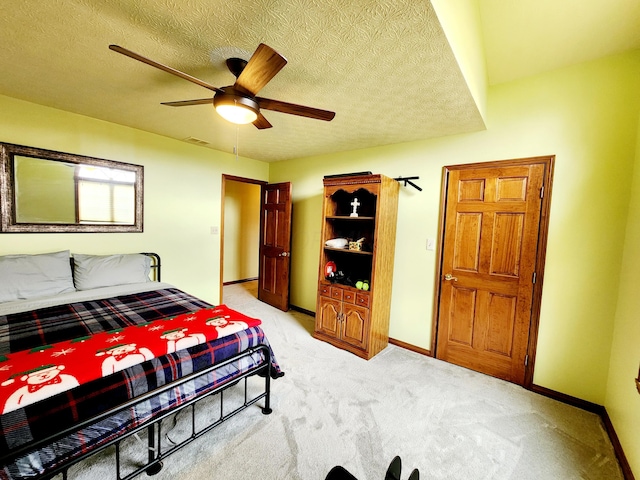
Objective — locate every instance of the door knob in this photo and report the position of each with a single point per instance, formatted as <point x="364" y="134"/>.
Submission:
<point x="284" y="254"/>
<point x="448" y="276"/>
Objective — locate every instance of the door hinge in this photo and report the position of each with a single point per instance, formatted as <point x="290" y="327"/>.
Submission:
<point x="526" y="360"/>
<point x="542" y="191"/>
<point x="535" y="277"/>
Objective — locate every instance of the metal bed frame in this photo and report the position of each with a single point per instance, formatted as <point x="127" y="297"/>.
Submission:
<point x="154" y="424"/>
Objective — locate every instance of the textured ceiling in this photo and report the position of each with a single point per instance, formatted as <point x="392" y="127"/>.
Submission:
<point x="385" y="68"/>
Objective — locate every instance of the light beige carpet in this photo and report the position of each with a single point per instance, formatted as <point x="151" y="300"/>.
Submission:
<point x="333" y="408"/>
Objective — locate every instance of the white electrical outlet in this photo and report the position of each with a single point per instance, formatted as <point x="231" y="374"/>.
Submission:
<point x="215" y="230"/>
<point x="431" y="244"/>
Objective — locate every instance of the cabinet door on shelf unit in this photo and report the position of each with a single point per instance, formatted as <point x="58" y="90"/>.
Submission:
<point x="328" y="318"/>
<point x="355" y="329"/>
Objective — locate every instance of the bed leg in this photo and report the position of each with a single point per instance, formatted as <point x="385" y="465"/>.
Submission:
<point x="267" y="388"/>
<point x="156" y="467"/>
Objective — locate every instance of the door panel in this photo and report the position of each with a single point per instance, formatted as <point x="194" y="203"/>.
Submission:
<point x="500" y="322"/>
<point x="506" y="244"/>
<point x="463" y="306"/>
<point x="355" y="325"/>
<point x="467" y="242"/>
<point x="329" y="313"/>
<point x="275" y="245"/>
<point x="491" y="227"/>
<point x="511" y="189"/>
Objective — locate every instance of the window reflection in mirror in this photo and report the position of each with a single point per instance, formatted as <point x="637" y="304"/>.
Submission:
<point x="46" y="191"/>
<point x="105" y="195"/>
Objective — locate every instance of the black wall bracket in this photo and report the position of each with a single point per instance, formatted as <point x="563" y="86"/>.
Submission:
<point x="407" y="180"/>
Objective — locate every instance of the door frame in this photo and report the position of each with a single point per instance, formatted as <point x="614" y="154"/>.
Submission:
<point x="232" y="178"/>
<point x="548" y="161"/>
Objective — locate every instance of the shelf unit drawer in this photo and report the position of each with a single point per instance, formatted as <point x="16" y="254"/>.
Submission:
<point x="324" y="290"/>
<point x="349" y="297"/>
<point x="336" y="293"/>
<point x="362" y="299"/>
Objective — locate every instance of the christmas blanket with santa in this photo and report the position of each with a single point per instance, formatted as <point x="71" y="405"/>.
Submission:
<point x="41" y="372"/>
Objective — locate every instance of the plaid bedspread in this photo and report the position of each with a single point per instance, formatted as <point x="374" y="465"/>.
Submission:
<point x="54" y="324"/>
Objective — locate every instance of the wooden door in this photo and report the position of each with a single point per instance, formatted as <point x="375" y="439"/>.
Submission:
<point x="275" y="245"/>
<point x="489" y="257"/>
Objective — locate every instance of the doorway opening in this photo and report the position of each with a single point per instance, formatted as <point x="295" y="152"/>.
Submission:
<point x="265" y="230"/>
<point x="240" y="234"/>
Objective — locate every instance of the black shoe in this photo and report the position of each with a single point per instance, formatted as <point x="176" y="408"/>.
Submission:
<point x="339" y="473"/>
<point x="393" y="472"/>
<point x="415" y="475"/>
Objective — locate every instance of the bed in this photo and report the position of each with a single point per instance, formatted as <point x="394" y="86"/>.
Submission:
<point x="53" y="304"/>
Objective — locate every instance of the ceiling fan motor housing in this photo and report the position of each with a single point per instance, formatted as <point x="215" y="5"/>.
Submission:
<point x="231" y="96"/>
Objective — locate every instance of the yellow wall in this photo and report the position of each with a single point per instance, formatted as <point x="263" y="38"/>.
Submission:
<point x="460" y="20"/>
<point x="181" y="198"/>
<point x="587" y="116"/>
<point x="623" y="401"/>
<point x="241" y="230"/>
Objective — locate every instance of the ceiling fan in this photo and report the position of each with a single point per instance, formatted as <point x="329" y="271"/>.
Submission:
<point x="238" y="103"/>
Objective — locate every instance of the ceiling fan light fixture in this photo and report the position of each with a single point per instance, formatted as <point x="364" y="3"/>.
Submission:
<point x="235" y="108"/>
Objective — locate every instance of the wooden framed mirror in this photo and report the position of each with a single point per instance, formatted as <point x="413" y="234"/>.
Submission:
<point x="44" y="191"/>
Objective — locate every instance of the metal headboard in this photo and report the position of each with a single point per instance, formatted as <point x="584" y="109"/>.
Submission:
<point x="155" y="264"/>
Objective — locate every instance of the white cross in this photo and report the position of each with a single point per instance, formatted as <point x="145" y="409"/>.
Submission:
<point x="355" y="204"/>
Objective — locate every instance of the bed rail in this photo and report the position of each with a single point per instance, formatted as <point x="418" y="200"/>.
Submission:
<point x="156" y="455"/>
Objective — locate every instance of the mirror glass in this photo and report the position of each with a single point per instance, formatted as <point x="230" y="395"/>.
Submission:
<point x="46" y="191"/>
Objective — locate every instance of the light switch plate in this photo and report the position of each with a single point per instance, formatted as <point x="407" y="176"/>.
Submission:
<point x="431" y="244"/>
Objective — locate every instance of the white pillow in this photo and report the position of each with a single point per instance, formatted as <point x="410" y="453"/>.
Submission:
<point x="30" y="276"/>
<point x="95" y="271"/>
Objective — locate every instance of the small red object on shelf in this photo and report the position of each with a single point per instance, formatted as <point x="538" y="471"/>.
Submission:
<point x="330" y="269"/>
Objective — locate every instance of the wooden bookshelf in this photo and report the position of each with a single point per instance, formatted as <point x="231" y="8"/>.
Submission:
<point x="350" y="318"/>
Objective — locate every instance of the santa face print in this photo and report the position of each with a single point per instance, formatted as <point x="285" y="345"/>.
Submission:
<point x="175" y="335"/>
<point x="42" y="376"/>
<point x="179" y="339"/>
<point x="122" y="350"/>
<point x="217" y="322"/>
<point x="224" y="326"/>
<point x="123" y="356"/>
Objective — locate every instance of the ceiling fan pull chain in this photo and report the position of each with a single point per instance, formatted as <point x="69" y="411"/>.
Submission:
<point x="236" y="145"/>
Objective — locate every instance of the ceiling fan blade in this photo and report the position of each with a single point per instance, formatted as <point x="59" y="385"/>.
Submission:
<point x="184" y="103"/>
<point x="262" y="67"/>
<point x="293" y="109"/>
<point x="261" y="122"/>
<point x="173" y="71"/>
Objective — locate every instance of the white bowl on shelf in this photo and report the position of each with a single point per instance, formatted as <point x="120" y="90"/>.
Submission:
<point x="337" y="243"/>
